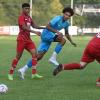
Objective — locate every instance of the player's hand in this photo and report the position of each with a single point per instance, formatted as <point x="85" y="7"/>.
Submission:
<point x="74" y="44"/>
<point x="60" y="35"/>
<point x="38" y="33"/>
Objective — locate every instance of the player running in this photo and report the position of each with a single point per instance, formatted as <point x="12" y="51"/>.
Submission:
<point x="52" y="34"/>
<point x="91" y="53"/>
<point x="24" y="41"/>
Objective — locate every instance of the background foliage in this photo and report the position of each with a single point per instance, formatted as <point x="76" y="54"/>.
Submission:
<point x="44" y="10"/>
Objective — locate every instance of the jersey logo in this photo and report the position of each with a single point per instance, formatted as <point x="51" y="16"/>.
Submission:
<point x="25" y="19"/>
<point x="98" y="35"/>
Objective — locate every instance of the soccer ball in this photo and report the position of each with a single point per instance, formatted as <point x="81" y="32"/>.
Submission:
<point x="3" y="88"/>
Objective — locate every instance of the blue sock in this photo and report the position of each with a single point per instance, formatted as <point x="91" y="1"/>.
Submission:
<point x="58" y="48"/>
<point x="29" y="63"/>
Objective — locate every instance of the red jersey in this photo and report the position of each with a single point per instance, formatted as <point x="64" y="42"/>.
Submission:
<point x="95" y="42"/>
<point x="23" y="19"/>
<point x="92" y="50"/>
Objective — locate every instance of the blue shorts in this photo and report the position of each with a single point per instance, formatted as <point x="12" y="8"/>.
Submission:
<point x="44" y="46"/>
<point x="47" y="38"/>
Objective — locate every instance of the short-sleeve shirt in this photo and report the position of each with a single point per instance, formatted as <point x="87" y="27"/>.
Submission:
<point x="23" y="19"/>
<point x="56" y="23"/>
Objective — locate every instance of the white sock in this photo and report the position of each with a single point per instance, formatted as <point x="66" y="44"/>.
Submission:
<point x="54" y="55"/>
<point x="24" y="68"/>
<point x="53" y="59"/>
<point x="56" y="64"/>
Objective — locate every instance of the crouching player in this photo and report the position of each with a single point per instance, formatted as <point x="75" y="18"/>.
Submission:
<point x="91" y="53"/>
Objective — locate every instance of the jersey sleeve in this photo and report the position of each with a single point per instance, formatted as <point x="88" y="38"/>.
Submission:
<point x="54" y="20"/>
<point x="21" y="20"/>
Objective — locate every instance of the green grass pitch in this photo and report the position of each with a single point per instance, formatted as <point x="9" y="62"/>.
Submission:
<point x="68" y="85"/>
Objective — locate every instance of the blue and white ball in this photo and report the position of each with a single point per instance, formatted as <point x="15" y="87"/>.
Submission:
<point x="3" y="88"/>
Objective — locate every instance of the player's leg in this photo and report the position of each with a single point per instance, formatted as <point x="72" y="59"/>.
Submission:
<point x="32" y="49"/>
<point x="41" y="52"/>
<point x="13" y="66"/>
<point x="23" y="70"/>
<point x="70" y="66"/>
<point x="20" y="48"/>
<point x="34" y="64"/>
<point x="28" y="65"/>
<point x="96" y="54"/>
<point x="86" y="58"/>
<point x="57" y="50"/>
<point x="42" y="49"/>
<point x="98" y="60"/>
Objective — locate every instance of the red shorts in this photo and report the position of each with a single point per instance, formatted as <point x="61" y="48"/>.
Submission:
<point x="90" y="54"/>
<point x="28" y="45"/>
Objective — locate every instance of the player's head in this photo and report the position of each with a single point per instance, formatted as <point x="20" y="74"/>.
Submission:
<point x="26" y="8"/>
<point x="67" y="12"/>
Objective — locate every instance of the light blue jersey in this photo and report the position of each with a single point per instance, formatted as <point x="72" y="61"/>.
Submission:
<point x="56" y="23"/>
<point x="47" y="36"/>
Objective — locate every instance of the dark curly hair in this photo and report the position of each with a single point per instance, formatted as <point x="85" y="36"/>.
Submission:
<point x="25" y="5"/>
<point x="68" y="9"/>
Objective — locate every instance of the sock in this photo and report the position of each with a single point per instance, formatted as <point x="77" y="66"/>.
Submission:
<point x="29" y="64"/>
<point x="71" y="66"/>
<point x="11" y="71"/>
<point x="54" y="55"/>
<point x="58" y="48"/>
<point x="53" y="58"/>
<point x="33" y="71"/>
<point x="14" y="62"/>
<point x="25" y="68"/>
<point x="34" y="63"/>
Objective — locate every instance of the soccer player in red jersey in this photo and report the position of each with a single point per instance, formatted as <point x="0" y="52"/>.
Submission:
<point x="24" y="41"/>
<point x="91" y="53"/>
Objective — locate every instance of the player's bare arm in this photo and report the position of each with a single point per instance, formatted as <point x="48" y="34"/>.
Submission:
<point x="28" y="29"/>
<point x="34" y="25"/>
<point x="69" y="38"/>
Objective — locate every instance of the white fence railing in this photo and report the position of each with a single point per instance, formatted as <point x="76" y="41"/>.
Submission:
<point x="73" y="30"/>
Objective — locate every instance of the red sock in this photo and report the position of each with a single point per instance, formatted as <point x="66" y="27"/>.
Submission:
<point x="11" y="71"/>
<point x="33" y="71"/>
<point x="34" y="61"/>
<point x="14" y="62"/>
<point x="72" y="66"/>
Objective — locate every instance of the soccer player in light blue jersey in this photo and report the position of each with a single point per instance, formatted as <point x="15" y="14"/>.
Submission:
<point x="52" y="34"/>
